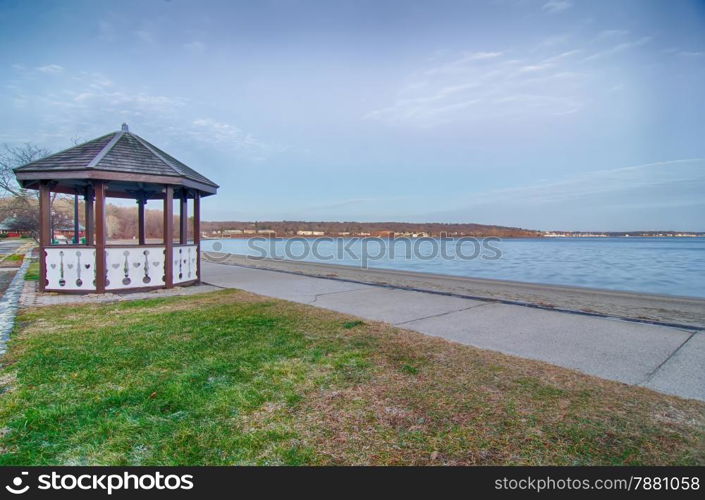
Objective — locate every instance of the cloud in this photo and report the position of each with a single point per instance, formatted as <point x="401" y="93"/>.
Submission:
<point x="353" y="202"/>
<point x="534" y="67"/>
<point x="90" y="103"/>
<point x="125" y="102"/>
<point x="230" y="137"/>
<point x="619" y="48"/>
<point x="477" y="56"/>
<point x="541" y="82"/>
<point x="599" y="182"/>
<point x="92" y="92"/>
<point x="195" y="46"/>
<point x="654" y="192"/>
<point x="609" y="34"/>
<point x="552" y="41"/>
<point x="210" y="130"/>
<point x="487" y="85"/>
<point x="683" y="53"/>
<point x="145" y="36"/>
<point x="50" y="69"/>
<point x="106" y="31"/>
<point x="553" y="6"/>
<point x="462" y="63"/>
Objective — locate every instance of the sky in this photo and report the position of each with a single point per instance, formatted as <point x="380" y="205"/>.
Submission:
<point x="543" y="114"/>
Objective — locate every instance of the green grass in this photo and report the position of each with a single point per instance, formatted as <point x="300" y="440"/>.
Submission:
<point x="352" y="324"/>
<point x="233" y="378"/>
<point x="32" y="273"/>
<point x="13" y="260"/>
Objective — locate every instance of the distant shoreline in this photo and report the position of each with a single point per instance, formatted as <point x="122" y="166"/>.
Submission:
<point x="388" y="229"/>
<point x="289" y="236"/>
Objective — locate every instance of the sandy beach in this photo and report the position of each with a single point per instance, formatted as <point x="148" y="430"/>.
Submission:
<point x="685" y="311"/>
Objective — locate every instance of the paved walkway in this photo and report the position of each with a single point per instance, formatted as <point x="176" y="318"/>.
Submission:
<point x="11" y="285"/>
<point x="665" y="359"/>
<point x="9" y="246"/>
<point x="32" y="298"/>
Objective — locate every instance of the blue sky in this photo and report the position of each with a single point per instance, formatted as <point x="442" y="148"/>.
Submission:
<point x="548" y="114"/>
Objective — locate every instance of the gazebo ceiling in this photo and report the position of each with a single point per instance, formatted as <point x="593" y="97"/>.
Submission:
<point x="131" y="166"/>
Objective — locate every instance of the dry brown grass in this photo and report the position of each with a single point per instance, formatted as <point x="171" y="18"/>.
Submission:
<point x="344" y="392"/>
<point x="430" y="401"/>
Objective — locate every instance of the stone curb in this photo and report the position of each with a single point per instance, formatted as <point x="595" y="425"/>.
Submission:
<point x="9" y="303"/>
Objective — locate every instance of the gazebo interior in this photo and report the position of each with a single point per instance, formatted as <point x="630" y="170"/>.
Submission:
<point x="118" y="165"/>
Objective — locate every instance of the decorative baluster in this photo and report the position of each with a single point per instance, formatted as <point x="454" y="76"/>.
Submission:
<point x="146" y="278"/>
<point x="126" y="269"/>
<point x="181" y="274"/>
<point x="62" y="281"/>
<point x="79" y="282"/>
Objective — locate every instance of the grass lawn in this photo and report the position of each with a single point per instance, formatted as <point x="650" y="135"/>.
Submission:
<point x="234" y="378"/>
<point x="32" y="273"/>
<point x="14" y="260"/>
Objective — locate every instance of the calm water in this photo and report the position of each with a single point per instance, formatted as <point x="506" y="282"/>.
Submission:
<point x="674" y="266"/>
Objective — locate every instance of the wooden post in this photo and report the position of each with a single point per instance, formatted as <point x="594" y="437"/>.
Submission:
<point x="100" y="237"/>
<point x="183" y="218"/>
<point x="88" y="198"/>
<point x="197" y="232"/>
<point x="76" y="224"/>
<point x="142" y="235"/>
<point x="169" y="236"/>
<point x="44" y="231"/>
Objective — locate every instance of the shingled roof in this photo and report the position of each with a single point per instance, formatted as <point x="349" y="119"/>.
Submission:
<point x="118" y="152"/>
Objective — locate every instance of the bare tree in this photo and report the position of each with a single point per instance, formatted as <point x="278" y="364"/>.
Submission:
<point x="16" y="156"/>
<point x="19" y="206"/>
<point x="20" y="213"/>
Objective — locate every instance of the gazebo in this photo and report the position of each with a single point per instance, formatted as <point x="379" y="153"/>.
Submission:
<point x="120" y="165"/>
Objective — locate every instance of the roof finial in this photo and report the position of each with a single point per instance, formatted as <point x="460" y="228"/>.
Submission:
<point x="125" y="128"/>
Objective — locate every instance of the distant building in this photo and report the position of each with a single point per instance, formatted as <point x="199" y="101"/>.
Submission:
<point x="307" y="232"/>
<point x="66" y="232"/>
<point x="409" y="234"/>
<point x="11" y="229"/>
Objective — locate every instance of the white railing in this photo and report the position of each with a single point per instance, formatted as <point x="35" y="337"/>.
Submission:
<point x="73" y="268"/>
<point x="70" y="268"/>
<point x="185" y="262"/>
<point x="134" y="267"/>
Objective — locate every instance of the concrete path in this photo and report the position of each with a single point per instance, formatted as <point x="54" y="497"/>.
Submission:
<point x="662" y="358"/>
<point x="11" y="285"/>
<point x="9" y="246"/>
<point x="669" y="310"/>
<point x="7" y="269"/>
